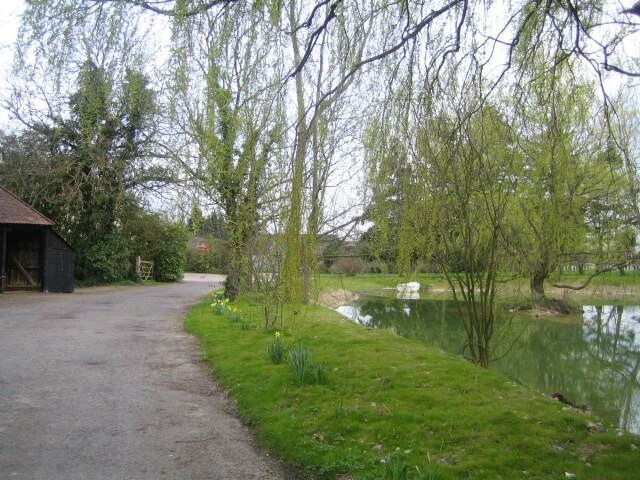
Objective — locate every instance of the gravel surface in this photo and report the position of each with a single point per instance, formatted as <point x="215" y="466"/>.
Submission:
<point x="105" y="384"/>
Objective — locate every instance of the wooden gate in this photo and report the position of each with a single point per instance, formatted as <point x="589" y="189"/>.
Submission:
<point x="144" y="269"/>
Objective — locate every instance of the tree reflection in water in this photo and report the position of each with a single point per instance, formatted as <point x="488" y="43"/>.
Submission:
<point x="593" y="361"/>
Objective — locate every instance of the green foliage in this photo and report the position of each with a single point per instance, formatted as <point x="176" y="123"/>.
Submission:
<point x="158" y="240"/>
<point x="85" y="166"/>
<point x="276" y="349"/>
<point x="396" y="468"/>
<point x="319" y="373"/>
<point x="298" y="359"/>
<point x="105" y="261"/>
<point x="563" y="184"/>
<point x="219" y="303"/>
<point x="472" y="173"/>
<point x="215" y="260"/>
<point x="170" y="256"/>
<point x="389" y="177"/>
<point x="431" y="475"/>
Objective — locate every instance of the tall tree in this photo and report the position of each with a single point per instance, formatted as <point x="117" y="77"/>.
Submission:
<point x="226" y="102"/>
<point x="89" y="165"/>
<point x="406" y="46"/>
<point x="564" y="180"/>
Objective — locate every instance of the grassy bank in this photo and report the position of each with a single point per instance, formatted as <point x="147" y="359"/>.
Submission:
<point x="379" y="403"/>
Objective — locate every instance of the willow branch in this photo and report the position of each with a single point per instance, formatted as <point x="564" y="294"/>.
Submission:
<point x="591" y="277"/>
<point x="149" y="6"/>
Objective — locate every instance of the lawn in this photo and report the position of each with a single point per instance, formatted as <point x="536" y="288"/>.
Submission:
<point x="605" y="289"/>
<point x="381" y="406"/>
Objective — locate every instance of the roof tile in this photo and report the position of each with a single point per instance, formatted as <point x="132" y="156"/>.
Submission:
<point x="15" y="211"/>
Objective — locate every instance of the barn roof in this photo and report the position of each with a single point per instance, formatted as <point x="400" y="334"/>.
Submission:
<point x="15" y="211"/>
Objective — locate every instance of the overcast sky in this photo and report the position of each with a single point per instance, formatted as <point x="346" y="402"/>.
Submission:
<point x="9" y="11"/>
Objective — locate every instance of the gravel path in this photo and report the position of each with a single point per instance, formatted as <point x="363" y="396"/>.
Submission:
<point x="104" y="384"/>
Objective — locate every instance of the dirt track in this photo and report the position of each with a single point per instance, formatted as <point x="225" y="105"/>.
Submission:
<point x="105" y="384"/>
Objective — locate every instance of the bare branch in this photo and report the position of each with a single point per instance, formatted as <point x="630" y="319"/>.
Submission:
<point x="151" y="7"/>
<point x="313" y="40"/>
<point x="613" y="68"/>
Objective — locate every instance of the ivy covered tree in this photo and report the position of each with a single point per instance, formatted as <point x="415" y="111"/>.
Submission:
<point x="88" y="166"/>
<point x="234" y="129"/>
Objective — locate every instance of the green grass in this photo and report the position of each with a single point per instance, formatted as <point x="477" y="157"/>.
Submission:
<point x="605" y="289"/>
<point x="386" y="398"/>
<point x="360" y="283"/>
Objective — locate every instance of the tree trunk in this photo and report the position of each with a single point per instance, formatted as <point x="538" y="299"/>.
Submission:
<point x="483" y="354"/>
<point x="537" y="286"/>
<point x="234" y="273"/>
<point x="293" y="281"/>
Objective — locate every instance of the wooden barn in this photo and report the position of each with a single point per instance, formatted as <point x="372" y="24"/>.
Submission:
<point x="32" y="255"/>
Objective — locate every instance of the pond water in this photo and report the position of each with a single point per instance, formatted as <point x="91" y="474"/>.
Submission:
<point x="593" y="361"/>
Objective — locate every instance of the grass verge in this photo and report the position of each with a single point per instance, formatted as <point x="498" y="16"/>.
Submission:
<point x="385" y="402"/>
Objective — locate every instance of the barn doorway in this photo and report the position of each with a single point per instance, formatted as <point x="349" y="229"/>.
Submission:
<point x="23" y="267"/>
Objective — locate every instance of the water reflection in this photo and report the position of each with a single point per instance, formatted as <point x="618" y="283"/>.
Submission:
<point x="594" y="361"/>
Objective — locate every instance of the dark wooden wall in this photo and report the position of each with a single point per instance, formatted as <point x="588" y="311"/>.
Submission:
<point x="58" y="264"/>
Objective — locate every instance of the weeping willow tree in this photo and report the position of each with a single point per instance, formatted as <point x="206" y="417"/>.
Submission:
<point x="399" y="230"/>
<point x="321" y="126"/>
<point x="249" y="90"/>
<point x="570" y="178"/>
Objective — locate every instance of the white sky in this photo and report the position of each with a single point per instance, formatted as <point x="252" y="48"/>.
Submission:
<point x="9" y="22"/>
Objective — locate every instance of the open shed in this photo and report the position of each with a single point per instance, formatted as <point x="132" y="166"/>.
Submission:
<point x="32" y="255"/>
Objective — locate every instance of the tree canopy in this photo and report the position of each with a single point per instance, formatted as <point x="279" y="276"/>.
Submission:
<point x="299" y="118"/>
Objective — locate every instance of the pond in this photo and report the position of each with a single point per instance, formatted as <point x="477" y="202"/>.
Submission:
<point x="592" y="361"/>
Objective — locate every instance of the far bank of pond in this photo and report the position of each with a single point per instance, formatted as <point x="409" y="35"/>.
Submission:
<point x="592" y="359"/>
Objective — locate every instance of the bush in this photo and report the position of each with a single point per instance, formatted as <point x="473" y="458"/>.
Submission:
<point x="170" y="258"/>
<point x="163" y="242"/>
<point x="213" y="261"/>
<point x="198" y="262"/>
<point x="350" y="266"/>
<point x="106" y="260"/>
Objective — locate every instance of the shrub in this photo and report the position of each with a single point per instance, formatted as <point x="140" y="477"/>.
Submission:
<point x="106" y="260"/>
<point x="349" y="266"/>
<point x="170" y="257"/>
<point x="163" y="242"/>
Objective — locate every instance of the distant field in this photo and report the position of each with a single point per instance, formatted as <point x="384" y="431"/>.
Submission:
<point x="610" y="287"/>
